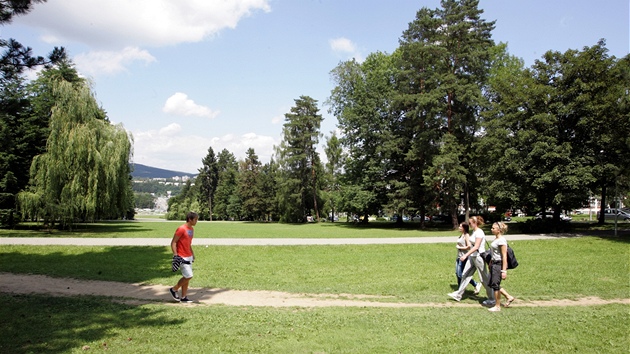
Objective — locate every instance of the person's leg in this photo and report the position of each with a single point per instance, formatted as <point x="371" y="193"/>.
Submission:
<point x="473" y="282"/>
<point x="467" y="274"/>
<point x="183" y="284"/>
<point x="507" y="296"/>
<point x="480" y="265"/>
<point x="459" y="268"/>
<point x="187" y="274"/>
<point x="495" y="285"/>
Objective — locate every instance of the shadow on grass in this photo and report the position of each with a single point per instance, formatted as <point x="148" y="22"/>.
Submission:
<point x="114" y="227"/>
<point x="128" y="264"/>
<point x="381" y="225"/>
<point x="580" y="228"/>
<point x="37" y="324"/>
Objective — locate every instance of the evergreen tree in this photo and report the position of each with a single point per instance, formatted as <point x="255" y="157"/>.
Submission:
<point x="447" y="176"/>
<point x="334" y="154"/>
<point x="208" y="179"/>
<point x="299" y="161"/>
<point x="181" y="204"/>
<point x="268" y="189"/>
<point x="445" y="67"/>
<point x="22" y="131"/>
<point x="227" y="184"/>
<point x="249" y="187"/>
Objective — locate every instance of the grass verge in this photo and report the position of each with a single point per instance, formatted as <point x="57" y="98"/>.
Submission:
<point x="88" y="324"/>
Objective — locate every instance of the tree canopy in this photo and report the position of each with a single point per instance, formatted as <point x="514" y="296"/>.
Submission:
<point x="84" y="173"/>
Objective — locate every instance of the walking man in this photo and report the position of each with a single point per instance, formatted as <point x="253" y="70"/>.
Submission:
<point x="181" y="245"/>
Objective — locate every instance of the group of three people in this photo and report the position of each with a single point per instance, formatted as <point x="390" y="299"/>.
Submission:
<point x="469" y="260"/>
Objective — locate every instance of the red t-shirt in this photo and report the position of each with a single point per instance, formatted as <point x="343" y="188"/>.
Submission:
<point x="185" y="234"/>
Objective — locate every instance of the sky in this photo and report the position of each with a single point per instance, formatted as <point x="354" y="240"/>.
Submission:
<point x="186" y="75"/>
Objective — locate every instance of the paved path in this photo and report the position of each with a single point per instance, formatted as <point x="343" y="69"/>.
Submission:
<point x="248" y="241"/>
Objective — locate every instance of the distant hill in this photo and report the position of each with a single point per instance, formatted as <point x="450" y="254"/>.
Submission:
<point x="142" y="171"/>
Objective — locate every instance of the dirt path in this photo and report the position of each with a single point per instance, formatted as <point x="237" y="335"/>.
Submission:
<point x="140" y="293"/>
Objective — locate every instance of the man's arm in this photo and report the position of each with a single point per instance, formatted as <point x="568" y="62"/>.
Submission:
<point x="174" y="244"/>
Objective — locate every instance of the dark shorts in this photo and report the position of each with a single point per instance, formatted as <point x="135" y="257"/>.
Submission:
<point x="495" y="275"/>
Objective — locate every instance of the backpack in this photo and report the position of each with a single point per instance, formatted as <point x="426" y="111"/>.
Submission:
<point x="511" y="259"/>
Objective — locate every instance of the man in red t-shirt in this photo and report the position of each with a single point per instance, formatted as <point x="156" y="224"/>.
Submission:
<point x="181" y="246"/>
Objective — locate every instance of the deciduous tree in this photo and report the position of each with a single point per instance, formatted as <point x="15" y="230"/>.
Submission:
<point x="84" y="173"/>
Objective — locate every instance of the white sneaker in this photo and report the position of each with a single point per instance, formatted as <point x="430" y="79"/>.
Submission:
<point x="454" y="296"/>
<point x="494" y="309"/>
<point x="477" y="289"/>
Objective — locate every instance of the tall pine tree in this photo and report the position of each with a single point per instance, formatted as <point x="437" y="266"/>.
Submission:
<point x="299" y="162"/>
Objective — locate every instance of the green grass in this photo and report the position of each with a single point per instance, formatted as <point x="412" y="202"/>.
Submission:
<point x="233" y="229"/>
<point x="564" y="268"/>
<point x="66" y="325"/>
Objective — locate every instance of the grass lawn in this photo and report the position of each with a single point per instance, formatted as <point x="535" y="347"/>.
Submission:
<point x="71" y="325"/>
<point x="234" y="229"/>
<point x="564" y="268"/>
<point x="237" y="229"/>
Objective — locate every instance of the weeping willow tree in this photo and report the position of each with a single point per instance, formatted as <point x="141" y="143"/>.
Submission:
<point x="84" y="174"/>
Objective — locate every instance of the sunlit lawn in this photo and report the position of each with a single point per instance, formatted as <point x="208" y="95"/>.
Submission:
<point x="563" y="268"/>
<point x="236" y="229"/>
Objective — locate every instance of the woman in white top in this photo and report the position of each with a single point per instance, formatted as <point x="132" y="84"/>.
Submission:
<point x="463" y="245"/>
<point x="476" y="263"/>
<point x="498" y="266"/>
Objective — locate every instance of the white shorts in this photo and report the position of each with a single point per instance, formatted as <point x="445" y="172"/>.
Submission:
<point x="187" y="271"/>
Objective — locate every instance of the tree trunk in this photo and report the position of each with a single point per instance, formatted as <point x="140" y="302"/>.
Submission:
<point x="602" y="205"/>
<point x="210" y="208"/>
<point x="314" y="192"/>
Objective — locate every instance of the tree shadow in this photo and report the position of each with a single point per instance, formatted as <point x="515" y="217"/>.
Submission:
<point x="37" y="324"/>
<point x="114" y="227"/>
<point x="130" y="264"/>
<point x="408" y="225"/>
<point x="56" y="324"/>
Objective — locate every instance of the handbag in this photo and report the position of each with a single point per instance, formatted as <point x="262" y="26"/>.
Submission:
<point x="487" y="254"/>
<point x="511" y="259"/>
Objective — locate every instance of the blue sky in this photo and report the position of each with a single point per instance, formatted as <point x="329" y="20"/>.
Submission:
<point x="184" y="75"/>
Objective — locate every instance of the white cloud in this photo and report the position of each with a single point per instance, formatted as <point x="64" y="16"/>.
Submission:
<point x="343" y="45"/>
<point x="180" y="104"/>
<point x="110" y="62"/>
<point x="170" y="148"/>
<point x="277" y="119"/>
<point x="170" y="130"/>
<point x="238" y="145"/>
<point x="120" y="23"/>
<point x="106" y="26"/>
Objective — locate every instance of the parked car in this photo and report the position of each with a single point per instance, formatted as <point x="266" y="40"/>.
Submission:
<point x="419" y="218"/>
<point x="549" y="215"/>
<point x="441" y="219"/>
<point x="611" y="214"/>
